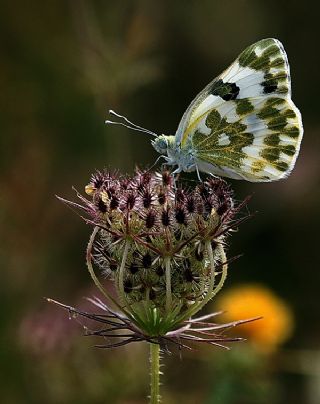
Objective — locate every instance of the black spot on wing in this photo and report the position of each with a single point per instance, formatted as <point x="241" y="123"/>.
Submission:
<point x="271" y="81"/>
<point x="269" y="88"/>
<point x="227" y="91"/>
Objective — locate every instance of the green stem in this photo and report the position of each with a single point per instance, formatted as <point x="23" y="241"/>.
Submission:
<point x="224" y="271"/>
<point x="122" y="294"/>
<point x="209" y="294"/>
<point x="90" y="267"/>
<point x="168" y="285"/>
<point x="155" y="373"/>
<point x="212" y="291"/>
<point x="91" y="270"/>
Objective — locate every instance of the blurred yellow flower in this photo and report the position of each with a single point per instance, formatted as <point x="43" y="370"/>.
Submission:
<point x="251" y="300"/>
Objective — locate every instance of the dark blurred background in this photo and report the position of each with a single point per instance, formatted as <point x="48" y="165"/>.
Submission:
<point x="63" y="65"/>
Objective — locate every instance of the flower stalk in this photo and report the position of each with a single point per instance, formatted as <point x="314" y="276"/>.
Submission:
<point x="154" y="373"/>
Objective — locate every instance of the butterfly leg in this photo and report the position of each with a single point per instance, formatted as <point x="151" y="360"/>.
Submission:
<point x="174" y="176"/>
<point x="214" y="176"/>
<point x="156" y="162"/>
<point x="198" y="174"/>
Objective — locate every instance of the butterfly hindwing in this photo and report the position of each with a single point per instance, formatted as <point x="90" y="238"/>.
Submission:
<point x="244" y="124"/>
<point x="256" y="139"/>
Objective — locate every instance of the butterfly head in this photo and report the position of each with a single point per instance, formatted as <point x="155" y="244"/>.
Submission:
<point x="163" y="143"/>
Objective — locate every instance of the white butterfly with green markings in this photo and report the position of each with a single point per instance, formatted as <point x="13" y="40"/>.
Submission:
<point x="243" y="125"/>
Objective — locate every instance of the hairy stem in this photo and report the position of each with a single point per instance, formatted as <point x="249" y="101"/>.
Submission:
<point x="154" y="373"/>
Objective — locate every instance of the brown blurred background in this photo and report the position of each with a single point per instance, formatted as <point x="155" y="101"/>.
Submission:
<point x="63" y="65"/>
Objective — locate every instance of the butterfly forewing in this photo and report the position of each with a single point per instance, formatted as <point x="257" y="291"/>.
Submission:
<point x="244" y="124"/>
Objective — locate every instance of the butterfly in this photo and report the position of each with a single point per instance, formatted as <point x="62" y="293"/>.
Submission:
<point x="242" y="125"/>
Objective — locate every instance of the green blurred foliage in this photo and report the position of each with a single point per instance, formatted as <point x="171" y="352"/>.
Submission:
<point x="63" y="65"/>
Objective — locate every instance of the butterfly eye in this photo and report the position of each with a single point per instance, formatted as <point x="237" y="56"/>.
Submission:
<point x="160" y="144"/>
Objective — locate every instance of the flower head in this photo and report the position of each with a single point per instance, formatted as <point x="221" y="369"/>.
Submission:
<point x="161" y="243"/>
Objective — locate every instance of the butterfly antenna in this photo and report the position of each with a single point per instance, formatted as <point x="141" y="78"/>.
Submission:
<point x="129" y="124"/>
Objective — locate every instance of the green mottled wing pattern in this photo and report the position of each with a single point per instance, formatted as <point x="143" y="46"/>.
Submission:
<point x="261" y="145"/>
<point x="244" y="124"/>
